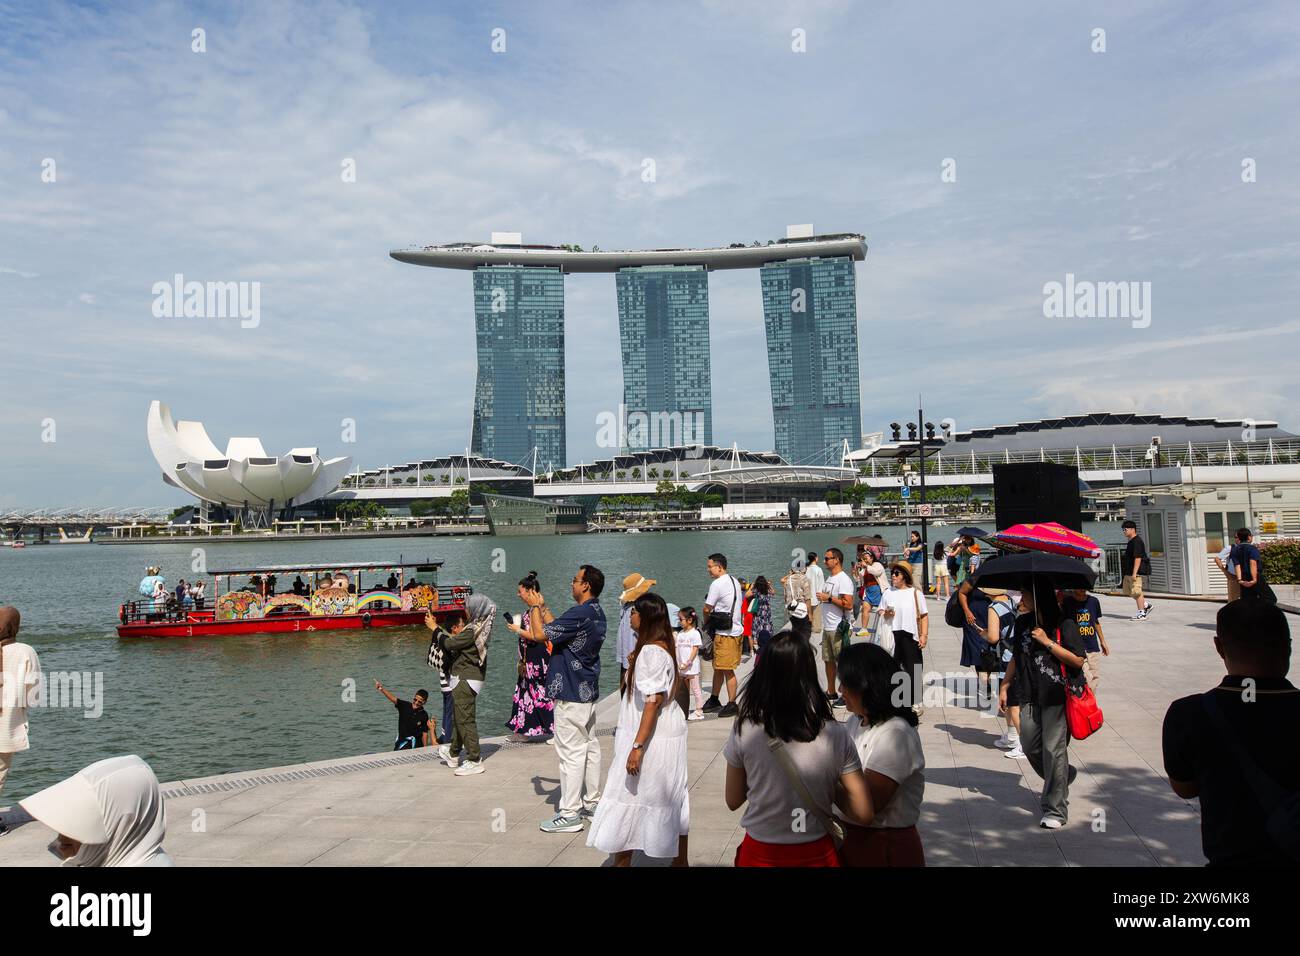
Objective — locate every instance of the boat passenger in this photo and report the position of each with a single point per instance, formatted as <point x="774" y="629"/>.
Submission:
<point x="299" y="588"/>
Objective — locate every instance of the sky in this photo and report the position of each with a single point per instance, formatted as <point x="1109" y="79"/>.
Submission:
<point x="984" y="150"/>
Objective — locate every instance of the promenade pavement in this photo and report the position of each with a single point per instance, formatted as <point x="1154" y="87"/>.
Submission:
<point x="981" y="808"/>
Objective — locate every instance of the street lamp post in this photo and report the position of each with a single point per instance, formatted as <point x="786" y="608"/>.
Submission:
<point x="918" y="434"/>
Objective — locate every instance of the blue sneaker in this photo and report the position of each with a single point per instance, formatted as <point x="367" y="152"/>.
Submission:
<point x="562" y="824"/>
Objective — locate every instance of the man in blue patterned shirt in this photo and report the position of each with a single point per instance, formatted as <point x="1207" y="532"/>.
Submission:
<point x="573" y="682"/>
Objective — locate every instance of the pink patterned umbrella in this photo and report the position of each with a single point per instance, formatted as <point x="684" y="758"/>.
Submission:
<point x="1050" y="537"/>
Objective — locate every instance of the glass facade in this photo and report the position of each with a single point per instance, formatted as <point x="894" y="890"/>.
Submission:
<point x="519" y="394"/>
<point x="811" y="317"/>
<point x="663" y="325"/>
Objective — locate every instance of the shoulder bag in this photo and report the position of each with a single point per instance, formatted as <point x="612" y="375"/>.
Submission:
<point x="1082" y="714"/>
<point x="718" y="621"/>
<point x="782" y="756"/>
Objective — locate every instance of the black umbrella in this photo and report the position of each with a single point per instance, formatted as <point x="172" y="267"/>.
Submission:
<point x="1018" y="571"/>
<point x="970" y="532"/>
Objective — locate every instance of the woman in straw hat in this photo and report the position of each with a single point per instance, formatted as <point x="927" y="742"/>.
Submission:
<point x="634" y="585"/>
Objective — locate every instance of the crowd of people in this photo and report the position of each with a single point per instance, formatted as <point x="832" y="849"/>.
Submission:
<point x="824" y="752"/>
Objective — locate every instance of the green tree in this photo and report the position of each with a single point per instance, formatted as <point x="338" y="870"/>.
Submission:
<point x="458" y="503"/>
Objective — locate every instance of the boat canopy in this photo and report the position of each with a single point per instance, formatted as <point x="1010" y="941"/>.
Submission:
<point x="335" y="566"/>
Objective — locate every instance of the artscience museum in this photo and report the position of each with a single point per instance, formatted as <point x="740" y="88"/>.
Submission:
<point x="243" y="479"/>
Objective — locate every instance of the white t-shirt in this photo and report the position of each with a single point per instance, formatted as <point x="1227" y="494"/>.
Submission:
<point x="905" y="602"/>
<point x="22" y="669"/>
<point x="774" y="810"/>
<point x="838" y="586"/>
<point x="724" y="596"/>
<point x="877" y="571"/>
<point x="893" y="748"/>
<point x="817" y="578"/>
<point x="685" y="641"/>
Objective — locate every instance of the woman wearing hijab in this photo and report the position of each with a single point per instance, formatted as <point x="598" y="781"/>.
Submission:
<point x="19" y="669"/>
<point x="466" y="654"/>
<point x="109" y="814"/>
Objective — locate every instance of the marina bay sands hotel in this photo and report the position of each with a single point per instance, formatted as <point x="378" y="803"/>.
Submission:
<point x="809" y="313"/>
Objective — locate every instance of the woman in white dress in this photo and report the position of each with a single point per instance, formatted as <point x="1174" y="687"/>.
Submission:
<point x="645" y="806"/>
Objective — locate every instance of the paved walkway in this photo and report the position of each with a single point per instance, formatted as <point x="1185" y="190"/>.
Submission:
<point x="981" y="809"/>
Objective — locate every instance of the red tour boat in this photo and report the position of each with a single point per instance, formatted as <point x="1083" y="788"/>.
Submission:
<point x="327" y="597"/>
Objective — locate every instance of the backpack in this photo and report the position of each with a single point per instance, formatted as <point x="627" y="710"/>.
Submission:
<point x="1006" y="627"/>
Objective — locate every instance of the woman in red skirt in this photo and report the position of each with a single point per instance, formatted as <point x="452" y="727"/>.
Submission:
<point x="892" y="761"/>
<point x="786" y="758"/>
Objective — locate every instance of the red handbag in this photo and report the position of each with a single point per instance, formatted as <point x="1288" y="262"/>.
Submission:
<point x="1082" y="715"/>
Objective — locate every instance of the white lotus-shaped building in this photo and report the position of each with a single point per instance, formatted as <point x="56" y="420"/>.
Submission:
<point x="244" y="476"/>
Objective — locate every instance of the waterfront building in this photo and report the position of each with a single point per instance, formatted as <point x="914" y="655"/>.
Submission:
<point x="511" y="516"/>
<point x="811" y="319"/>
<point x="243" y="479"/>
<point x="519" y="391"/>
<point x="663" y="324"/>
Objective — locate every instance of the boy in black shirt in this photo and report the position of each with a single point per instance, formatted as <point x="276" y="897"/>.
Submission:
<point x="413" y="722"/>
<point x="1237" y="747"/>
<point x="1086" y="611"/>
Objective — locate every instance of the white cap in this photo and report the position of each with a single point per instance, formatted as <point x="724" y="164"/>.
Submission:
<point x="70" y="807"/>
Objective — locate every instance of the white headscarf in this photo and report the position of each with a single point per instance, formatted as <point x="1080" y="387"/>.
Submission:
<point x="114" y="808"/>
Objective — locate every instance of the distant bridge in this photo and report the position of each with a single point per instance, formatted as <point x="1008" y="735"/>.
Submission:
<point x="44" y="523"/>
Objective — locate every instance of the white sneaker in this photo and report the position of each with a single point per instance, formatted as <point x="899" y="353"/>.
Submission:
<point x="696" y="715"/>
<point x="444" y="754"/>
<point x="1016" y="753"/>
<point x="1051" y="823"/>
<point x="470" y="767"/>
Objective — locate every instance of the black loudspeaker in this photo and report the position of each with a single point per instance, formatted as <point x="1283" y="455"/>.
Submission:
<point x="1030" y="492"/>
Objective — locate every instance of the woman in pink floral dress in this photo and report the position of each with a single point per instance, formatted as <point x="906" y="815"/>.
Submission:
<point x="532" y="714"/>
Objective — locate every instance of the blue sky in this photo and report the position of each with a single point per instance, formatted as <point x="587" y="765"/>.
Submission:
<point x="1117" y="166"/>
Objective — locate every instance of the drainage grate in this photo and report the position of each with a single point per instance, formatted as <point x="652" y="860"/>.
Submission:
<point x="245" y="781"/>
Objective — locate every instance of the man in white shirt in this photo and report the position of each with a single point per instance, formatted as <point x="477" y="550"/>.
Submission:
<point x="724" y="598"/>
<point x="837" y="603"/>
<point x="816" y="578"/>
